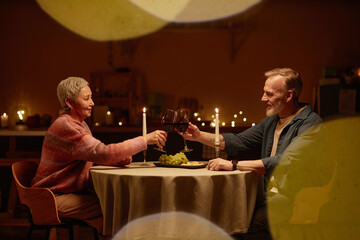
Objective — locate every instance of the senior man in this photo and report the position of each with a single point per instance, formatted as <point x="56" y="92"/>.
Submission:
<point x="286" y="119"/>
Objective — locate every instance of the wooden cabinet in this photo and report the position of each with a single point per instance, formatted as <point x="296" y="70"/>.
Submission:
<point x="112" y="92"/>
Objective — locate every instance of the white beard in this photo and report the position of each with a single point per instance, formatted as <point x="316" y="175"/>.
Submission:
<point x="274" y="109"/>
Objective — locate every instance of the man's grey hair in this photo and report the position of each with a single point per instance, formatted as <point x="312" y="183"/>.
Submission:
<point x="69" y="89"/>
<point x="292" y="80"/>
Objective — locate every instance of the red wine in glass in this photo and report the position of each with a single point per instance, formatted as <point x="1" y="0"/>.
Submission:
<point x="181" y="124"/>
<point x="167" y="123"/>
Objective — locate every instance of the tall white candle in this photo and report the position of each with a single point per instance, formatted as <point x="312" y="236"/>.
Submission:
<point x="217" y="126"/>
<point x="4" y="120"/>
<point x="144" y="122"/>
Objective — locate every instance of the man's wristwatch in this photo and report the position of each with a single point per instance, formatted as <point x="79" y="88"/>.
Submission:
<point x="234" y="163"/>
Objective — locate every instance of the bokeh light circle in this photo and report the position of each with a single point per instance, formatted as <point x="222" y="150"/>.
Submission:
<point x="171" y="225"/>
<point x="194" y="10"/>
<point x="319" y="184"/>
<point x="102" y="20"/>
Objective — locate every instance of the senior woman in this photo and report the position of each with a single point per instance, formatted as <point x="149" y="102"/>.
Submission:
<point x="69" y="151"/>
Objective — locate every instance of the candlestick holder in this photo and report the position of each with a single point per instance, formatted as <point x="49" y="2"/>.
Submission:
<point x="217" y="149"/>
<point x="144" y="163"/>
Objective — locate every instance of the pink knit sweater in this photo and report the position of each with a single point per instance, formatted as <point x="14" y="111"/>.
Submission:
<point x="69" y="151"/>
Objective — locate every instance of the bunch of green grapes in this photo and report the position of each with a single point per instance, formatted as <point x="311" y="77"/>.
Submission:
<point x="175" y="160"/>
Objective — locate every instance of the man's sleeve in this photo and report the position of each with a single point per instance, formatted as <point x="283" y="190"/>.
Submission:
<point x="249" y="139"/>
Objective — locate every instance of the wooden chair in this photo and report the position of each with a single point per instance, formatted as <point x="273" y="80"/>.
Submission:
<point x="41" y="202"/>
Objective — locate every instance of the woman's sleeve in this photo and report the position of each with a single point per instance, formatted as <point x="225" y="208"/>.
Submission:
<point x="91" y="149"/>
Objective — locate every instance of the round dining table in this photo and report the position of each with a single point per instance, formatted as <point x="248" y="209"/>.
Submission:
<point x="225" y="198"/>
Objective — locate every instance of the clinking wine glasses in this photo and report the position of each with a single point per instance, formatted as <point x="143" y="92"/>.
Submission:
<point x="175" y="119"/>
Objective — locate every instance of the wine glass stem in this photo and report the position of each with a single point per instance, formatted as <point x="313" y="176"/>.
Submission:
<point x="185" y="145"/>
<point x="144" y="157"/>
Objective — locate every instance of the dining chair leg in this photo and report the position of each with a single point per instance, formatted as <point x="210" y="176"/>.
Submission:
<point x="29" y="233"/>
<point x="48" y="229"/>
<point x="71" y="232"/>
<point x="96" y="237"/>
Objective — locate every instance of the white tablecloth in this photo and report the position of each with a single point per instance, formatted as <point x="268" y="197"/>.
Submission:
<point x="226" y="198"/>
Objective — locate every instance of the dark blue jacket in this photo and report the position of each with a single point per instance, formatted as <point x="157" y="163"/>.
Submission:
<point x="261" y="137"/>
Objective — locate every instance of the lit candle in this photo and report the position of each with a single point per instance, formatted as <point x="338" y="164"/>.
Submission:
<point x="4" y="120"/>
<point x="144" y="122"/>
<point x="217" y="126"/>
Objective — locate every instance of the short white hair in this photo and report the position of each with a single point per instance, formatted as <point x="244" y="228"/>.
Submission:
<point x="69" y="89"/>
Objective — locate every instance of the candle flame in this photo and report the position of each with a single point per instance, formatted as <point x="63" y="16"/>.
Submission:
<point x="4" y="114"/>
<point x="216" y="110"/>
<point x="144" y="110"/>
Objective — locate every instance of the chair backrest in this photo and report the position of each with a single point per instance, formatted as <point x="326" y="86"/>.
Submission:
<point x="40" y="201"/>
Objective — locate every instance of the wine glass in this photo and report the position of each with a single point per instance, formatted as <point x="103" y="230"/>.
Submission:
<point x="167" y="123"/>
<point x="181" y="124"/>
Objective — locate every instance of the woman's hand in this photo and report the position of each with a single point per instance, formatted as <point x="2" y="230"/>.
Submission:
<point x="157" y="137"/>
<point x="124" y="162"/>
<point x="219" y="164"/>
<point x="192" y="133"/>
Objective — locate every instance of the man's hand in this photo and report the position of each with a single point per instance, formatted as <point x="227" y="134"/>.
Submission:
<point x="157" y="137"/>
<point x="192" y="133"/>
<point x="220" y="164"/>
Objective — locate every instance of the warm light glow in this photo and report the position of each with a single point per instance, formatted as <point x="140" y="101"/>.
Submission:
<point x="20" y="114"/>
<point x="199" y="119"/>
<point x="196" y="114"/>
<point x="240" y="112"/>
<point x="144" y="110"/>
<point x="103" y="20"/>
<point x="244" y="119"/>
<point x="203" y="124"/>
<point x="213" y="124"/>
<point x="223" y="124"/>
<point x="232" y="123"/>
<point x="235" y="115"/>
<point x="213" y="116"/>
<point x="216" y="110"/>
<point x="253" y="124"/>
<point x="97" y="124"/>
<point x="120" y="123"/>
<point x="108" y="113"/>
<point x="194" y="11"/>
<point x="4" y="114"/>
